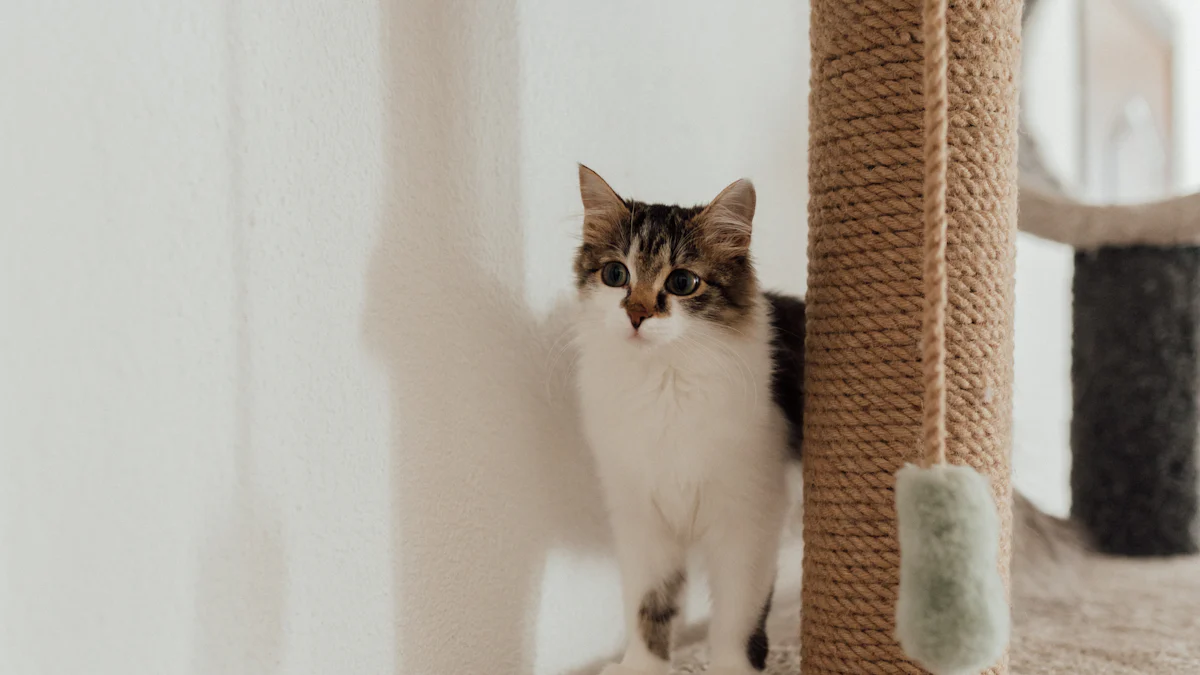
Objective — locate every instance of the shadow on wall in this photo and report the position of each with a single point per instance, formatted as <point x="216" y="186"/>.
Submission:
<point x="488" y="474"/>
<point x="242" y="578"/>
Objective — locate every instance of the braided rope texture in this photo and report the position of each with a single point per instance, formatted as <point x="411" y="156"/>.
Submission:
<point x="865" y="300"/>
<point x="933" y="323"/>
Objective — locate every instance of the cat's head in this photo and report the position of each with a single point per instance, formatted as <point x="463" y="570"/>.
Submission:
<point x="651" y="274"/>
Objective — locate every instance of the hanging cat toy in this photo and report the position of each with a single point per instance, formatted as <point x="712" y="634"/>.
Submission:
<point x="952" y="613"/>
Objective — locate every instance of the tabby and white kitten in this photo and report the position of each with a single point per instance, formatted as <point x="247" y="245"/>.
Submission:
<point x="691" y="386"/>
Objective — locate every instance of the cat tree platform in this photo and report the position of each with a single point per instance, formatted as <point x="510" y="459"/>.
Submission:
<point x="1074" y="613"/>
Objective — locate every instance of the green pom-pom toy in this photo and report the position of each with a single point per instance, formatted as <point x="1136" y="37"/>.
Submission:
<point x="952" y="614"/>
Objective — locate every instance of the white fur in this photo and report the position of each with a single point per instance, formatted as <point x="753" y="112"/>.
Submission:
<point x="691" y="452"/>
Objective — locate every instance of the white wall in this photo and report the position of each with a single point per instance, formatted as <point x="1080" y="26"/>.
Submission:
<point x="198" y="447"/>
<point x="1042" y="390"/>
<point x="1187" y="110"/>
<point x="276" y="291"/>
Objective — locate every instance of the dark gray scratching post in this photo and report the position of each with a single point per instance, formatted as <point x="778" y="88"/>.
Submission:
<point x="1136" y="378"/>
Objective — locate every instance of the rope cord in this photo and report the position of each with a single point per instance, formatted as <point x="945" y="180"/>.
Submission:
<point x="933" y="337"/>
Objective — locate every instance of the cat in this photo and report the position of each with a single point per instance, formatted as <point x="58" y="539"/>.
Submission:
<point x="691" y="387"/>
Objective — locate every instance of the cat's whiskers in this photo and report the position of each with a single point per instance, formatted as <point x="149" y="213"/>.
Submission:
<point x="709" y="349"/>
<point x="557" y="349"/>
<point x="568" y="340"/>
<point x="688" y="239"/>
<point x="742" y="358"/>
<point x="714" y="358"/>
<point x="749" y="381"/>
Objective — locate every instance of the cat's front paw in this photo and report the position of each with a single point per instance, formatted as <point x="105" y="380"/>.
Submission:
<point x="618" y="669"/>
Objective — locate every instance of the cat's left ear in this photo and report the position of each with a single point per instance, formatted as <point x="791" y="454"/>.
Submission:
<point x="727" y="220"/>
<point x="603" y="208"/>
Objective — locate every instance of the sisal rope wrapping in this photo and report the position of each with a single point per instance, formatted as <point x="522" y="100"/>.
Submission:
<point x="864" y="378"/>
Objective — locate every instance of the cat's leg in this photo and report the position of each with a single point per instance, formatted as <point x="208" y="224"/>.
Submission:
<point x="652" y="578"/>
<point x="742" y="557"/>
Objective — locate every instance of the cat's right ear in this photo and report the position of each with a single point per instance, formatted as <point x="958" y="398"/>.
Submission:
<point x="603" y="208"/>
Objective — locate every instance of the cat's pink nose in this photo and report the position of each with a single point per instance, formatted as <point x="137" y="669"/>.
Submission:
<point x="637" y="314"/>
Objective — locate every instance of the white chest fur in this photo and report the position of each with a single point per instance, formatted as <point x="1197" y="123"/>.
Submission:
<point x="688" y="429"/>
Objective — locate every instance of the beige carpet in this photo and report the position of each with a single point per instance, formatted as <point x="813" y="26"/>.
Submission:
<point x="1074" y="613"/>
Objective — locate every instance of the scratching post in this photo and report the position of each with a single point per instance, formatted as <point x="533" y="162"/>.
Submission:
<point x="1136" y="384"/>
<point x="863" y="363"/>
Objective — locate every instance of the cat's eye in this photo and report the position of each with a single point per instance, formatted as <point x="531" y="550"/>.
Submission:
<point x="614" y="274"/>
<point x="682" y="282"/>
